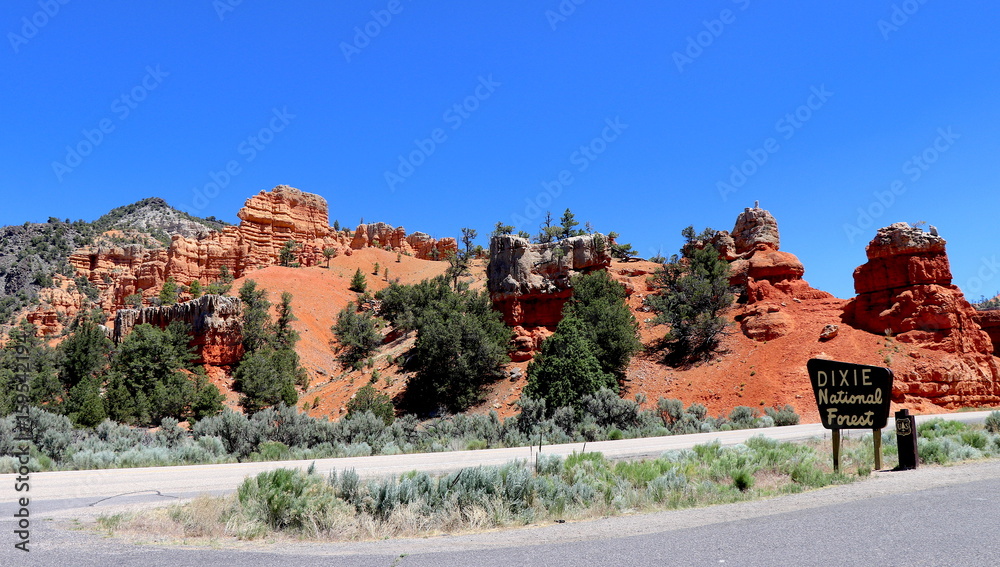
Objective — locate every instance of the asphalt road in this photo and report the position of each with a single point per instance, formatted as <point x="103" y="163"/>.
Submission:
<point x="81" y="494"/>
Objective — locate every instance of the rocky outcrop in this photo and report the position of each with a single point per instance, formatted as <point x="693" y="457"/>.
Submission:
<point x="905" y="290"/>
<point x="57" y="307"/>
<point x="268" y="221"/>
<point x="765" y="322"/>
<point x="216" y="326"/>
<point x="755" y="229"/>
<point x="989" y="322"/>
<point x="418" y="244"/>
<point x="757" y="266"/>
<point x="766" y="276"/>
<point x="529" y="283"/>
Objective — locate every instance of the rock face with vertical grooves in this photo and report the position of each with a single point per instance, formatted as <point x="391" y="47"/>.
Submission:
<point x="216" y="326"/>
<point x="529" y="283"/>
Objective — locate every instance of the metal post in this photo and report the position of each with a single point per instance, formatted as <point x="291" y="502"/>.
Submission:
<point x="836" y="450"/>
<point x="877" y="440"/>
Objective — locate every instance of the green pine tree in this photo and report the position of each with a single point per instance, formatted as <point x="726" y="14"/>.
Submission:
<point x="566" y="369"/>
<point x="169" y="292"/>
<point x="693" y="294"/>
<point x="358" y="283"/>
<point x="599" y="303"/>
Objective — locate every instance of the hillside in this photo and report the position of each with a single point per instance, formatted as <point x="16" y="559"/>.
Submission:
<point x="33" y="253"/>
<point x="907" y="314"/>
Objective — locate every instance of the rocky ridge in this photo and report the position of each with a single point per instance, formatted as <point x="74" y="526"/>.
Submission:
<point x="268" y="221"/>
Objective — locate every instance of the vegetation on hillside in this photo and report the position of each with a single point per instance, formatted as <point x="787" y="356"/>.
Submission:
<point x="461" y="342"/>
<point x="270" y="369"/>
<point x="693" y="295"/>
<point x="591" y="347"/>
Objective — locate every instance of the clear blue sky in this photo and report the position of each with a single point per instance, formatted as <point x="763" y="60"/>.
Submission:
<point x="187" y="89"/>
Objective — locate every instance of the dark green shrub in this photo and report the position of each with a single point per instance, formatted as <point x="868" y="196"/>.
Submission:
<point x="693" y="294"/>
<point x="357" y="334"/>
<point x="566" y="370"/>
<point x="368" y="399"/>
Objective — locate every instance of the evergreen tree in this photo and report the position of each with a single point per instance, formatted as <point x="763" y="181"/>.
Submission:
<point x="255" y="316"/>
<point x="549" y="231"/>
<point x="458" y="266"/>
<point x="207" y="400"/>
<point x="568" y="225"/>
<point x="468" y="239"/>
<point x="84" y="353"/>
<point x="329" y="254"/>
<point x="608" y="324"/>
<point x="358" y="283"/>
<point x="566" y="370"/>
<point x="149" y="376"/>
<point x="500" y="229"/>
<point x="270" y="367"/>
<point x="195" y="289"/>
<point x="286" y="256"/>
<point x="370" y="399"/>
<point x="169" y="292"/>
<point x="694" y="294"/>
<point x="266" y="378"/>
<point x="356" y="334"/>
<point x="461" y="345"/>
<point x="84" y="406"/>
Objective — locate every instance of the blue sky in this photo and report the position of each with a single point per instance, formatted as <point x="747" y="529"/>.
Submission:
<point x="642" y="117"/>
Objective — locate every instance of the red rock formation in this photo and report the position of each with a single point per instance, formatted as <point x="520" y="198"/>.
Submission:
<point x="530" y="283"/>
<point x="905" y="290"/>
<point x="989" y="321"/>
<point x="764" y="274"/>
<point x="58" y="306"/>
<point x="268" y="221"/>
<point x="216" y="326"/>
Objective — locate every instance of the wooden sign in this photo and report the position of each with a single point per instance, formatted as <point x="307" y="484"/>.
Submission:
<point x="850" y="396"/>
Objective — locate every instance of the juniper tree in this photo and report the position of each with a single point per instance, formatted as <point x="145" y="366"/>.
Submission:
<point x="693" y="294"/>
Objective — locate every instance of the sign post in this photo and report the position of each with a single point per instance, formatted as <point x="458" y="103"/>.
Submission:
<point x="851" y="396"/>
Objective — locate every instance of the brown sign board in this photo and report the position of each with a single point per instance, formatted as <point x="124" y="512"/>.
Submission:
<point x="850" y="396"/>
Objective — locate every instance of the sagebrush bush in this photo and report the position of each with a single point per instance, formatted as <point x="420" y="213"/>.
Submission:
<point x="993" y="422"/>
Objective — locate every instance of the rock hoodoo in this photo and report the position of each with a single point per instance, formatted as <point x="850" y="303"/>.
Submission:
<point x="767" y="276"/>
<point x="216" y="326"/>
<point x="530" y="283"/>
<point x="905" y="290"/>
